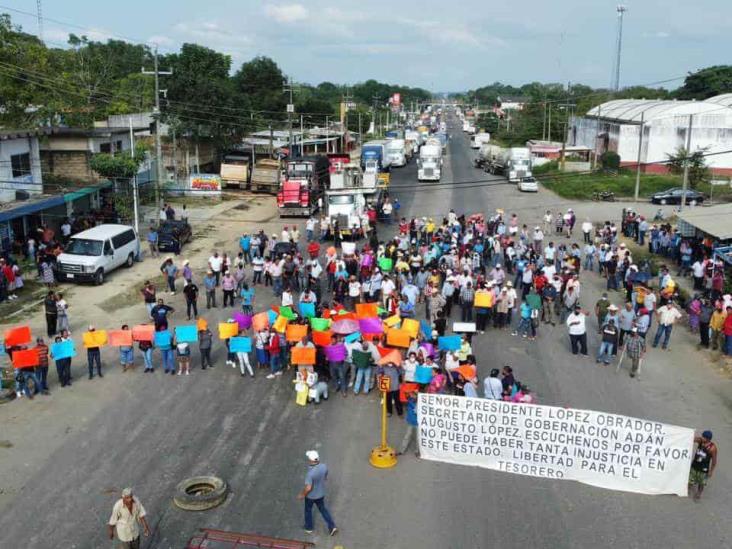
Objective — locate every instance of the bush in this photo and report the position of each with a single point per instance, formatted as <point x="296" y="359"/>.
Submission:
<point x="549" y="167"/>
<point x="610" y="161"/>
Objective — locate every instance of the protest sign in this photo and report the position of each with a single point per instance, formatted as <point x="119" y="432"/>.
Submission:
<point x="260" y="321"/>
<point x="392" y="355"/>
<point x="423" y="374"/>
<point x="20" y="335"/>
<point x="272" y="316"/>
<point x="483" y="298"/>
<point x="385" y="264"/>
<point x="240" y="344"/>
<point x="228" y="329"/>
<point x="120" y="338"/>
<point x="186" y="334"/>
<point x="348" y="248"/>
<point x="350" y="338"/>
<point x="307" y="309"/>
<point x="295" y="332"/>
<point x="392" y="321"/>
<point x="371" y="326"/>
<point x="336" y="353"/>
<point x="97" y="338"/>
<point x="163" y="340"/>
<point x="449" y="343"/>
<point x="397" y="338"/>
<point x="63" y="349"/>
<point x="143" y="332"/>
<point x="321" y="339"/>
<point x="601" y="449"/>
<point x="319" y="324"/>
<point x="288" y="313"/>
<point x="410" y="326"/>
<point x="366" y="310"/>
<point x="426" y="329"/>
<point x="26" y="358"/>
<point x="243" y="320"/>
<point x="280" y="324"/>
<point x="302" y="355"/>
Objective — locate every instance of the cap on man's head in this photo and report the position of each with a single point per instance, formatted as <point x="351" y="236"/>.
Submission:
<point x="127" y="492"/>
<point x="707" y="435"/>
<point x="312" y="455"/>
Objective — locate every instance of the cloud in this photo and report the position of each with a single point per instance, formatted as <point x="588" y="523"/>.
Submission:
<point x="444" y="32"/>
<point x="160" y="40"/>
<point x="657" y="34"/>
<point x="212" y="34"/>
<point x="286" y="13"/>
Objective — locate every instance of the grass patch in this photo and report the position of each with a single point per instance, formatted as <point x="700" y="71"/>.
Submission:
<point x="30" y="296"/>
<point x="130" y="296"/>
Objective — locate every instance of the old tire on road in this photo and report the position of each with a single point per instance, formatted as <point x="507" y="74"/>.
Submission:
<point x="200" y="493"/>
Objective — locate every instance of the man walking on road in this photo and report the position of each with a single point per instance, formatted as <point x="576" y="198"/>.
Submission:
<point x="314" y="493"/>
<point x="126" y="514"/>
<point x="577" y="331"/>
<point x="667" y="315"/>
<point x="635" y="348"/>
<point x="702" y="464"/>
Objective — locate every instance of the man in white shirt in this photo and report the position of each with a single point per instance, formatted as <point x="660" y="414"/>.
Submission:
<point x="492" y="386"/>
<point x="215" y="262"/>
<point x="577" y="331"/>
<point x="354" y="293"/>
<point x="549" y="253"/>
<point x="310" y="228"/>
<point x="587" y="230"/>
<point x="697" y="269"/>
<point x="126" y="513"/>
<point x="667" y="315"/>
<point x="387" y="287"/>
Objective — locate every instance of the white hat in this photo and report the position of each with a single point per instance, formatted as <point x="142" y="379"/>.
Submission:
<point x="186" y="262"/>
<point x="127" y="492"/>
<point x="312" y="455"/>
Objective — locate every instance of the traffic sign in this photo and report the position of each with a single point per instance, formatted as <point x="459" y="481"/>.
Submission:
<point x="384" y="384"/>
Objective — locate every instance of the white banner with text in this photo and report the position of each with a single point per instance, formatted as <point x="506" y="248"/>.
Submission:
<point x="596" y="448"/>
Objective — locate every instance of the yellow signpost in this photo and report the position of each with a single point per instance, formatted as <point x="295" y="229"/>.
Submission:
<point x="384" y="180"/>
<point x="383" y="456"/>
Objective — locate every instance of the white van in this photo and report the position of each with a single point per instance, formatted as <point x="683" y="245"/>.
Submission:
<point x="93" y="253"/>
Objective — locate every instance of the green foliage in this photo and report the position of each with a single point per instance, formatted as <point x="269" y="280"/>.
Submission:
<point x="582" y="186"/>
<point x="117" y="166"/>
<point x="610" y="161"/>
<point x="696" y="162"/>
<point x="706" y="83"/>
<point x="261" y="81"/>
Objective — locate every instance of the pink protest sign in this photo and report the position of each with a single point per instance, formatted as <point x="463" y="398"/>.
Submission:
<point x="336" y="353"/>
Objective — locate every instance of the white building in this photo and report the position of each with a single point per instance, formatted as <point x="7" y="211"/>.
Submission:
<point x="20" y="164"/>
<point x="615" y="126"/>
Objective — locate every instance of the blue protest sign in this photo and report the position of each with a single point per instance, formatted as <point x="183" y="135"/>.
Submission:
<point x="163" y="340"/>
<point x="307" y="310"/>
<point x="350" y="338"/>
<point x="186" y="334"/>
<point x="272" y="316"/>
<point x="240" y="344"/>
<point x="426" y="329"/>
<point x="449" y="343"/>
<point x="63" y="349"/>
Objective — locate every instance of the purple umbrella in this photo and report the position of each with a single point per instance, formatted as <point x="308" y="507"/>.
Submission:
<point x="346" y="326"/>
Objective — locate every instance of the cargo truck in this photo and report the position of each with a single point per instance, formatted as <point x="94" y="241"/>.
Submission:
<point x="376" y="151"/>
<point x="306" y="179"/>
<point x="235" y="171"/>
<point x="395" y="151"/>
<point x="429" y="164"/>
<point x="266" y="176"/>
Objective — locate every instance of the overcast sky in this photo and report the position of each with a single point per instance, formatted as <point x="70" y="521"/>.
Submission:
<point x="439" y="45"/>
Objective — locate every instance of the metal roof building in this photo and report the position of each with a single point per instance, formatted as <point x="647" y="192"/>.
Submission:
<point x="616" y="125"/>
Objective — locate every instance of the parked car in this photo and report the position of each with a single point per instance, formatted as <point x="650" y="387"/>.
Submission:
<point x="673" y="196"/>
<point x="285" y="248"/>
<point x="528" y="184"/>
<point x="173" y="234"/>
<point x="93" y="253"/>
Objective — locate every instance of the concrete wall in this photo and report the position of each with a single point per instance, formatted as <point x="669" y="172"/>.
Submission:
<point x="32" y="183"/>
<point x="71" y="164"/>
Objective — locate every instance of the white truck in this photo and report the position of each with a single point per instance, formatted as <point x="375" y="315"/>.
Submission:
<point x="350" y="177"/>
<point x="395" y="150"/>
<point x="429" y="164"/>
<point x="479" y="139"/>
<point x="348" y="208"/>
<point x="413" y="139"/>
<point x="518" y="164"/>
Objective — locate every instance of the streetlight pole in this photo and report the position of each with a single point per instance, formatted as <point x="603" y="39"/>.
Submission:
<point x="686" y="164"/>
<point x="638" y="164"/>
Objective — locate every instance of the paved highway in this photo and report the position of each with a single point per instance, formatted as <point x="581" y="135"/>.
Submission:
<point x="153" y="432"/>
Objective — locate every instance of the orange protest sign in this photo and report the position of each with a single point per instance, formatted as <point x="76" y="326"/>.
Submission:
<point x="394" y="356"/>
<point x="295" y="332"/>
<point x="483" y="299"/>
<point x="410" y="326"/>
<point x="302" y="355"/>
<point x="120" y="338"/>
<point x="392" y="321"/>
<point x="397" y="338"/>
<point x="367" y="310"/>
<point x="20" y="335"/>
<point x="27" y="358"/>
<point x="143" y="332"/>
<point x="201" y="324"/>
<point x="321" y="339"/>
<point x="280" y="324"/>
<point x="228" y="329"/>
<point x="260" y="321"/>
<point x="97" y="338"/>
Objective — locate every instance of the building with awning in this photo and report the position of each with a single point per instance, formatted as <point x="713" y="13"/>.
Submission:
<point x="713" y="221"/>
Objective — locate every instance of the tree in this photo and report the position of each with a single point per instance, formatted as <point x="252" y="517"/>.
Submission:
<point x="202" y="99"/>
<point x="696" y="162"/>
<point x="118" y="166"/>
<point x="261" y="81"/>
<point x="706" y="83"/>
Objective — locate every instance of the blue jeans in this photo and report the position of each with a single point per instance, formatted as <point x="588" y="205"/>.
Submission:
<point x="612" y="282"/>
<point x="21" y="382"/>
<point x="666" y="331"/>
<point x="524" y="325"/>
<point x="728" y="345"/>
<point x="589" y="263"/>
<point x="338" y="374"/>
<point x="171" y="283"/>
<point x="168" y="360"/>
<point x="641" y="237"/>
<point x="147" y="356"/>
<point x="309" y="235"/>
<point x="320" y="502"/>
<point x="606" y="352"/>
<point x="362" y="374"/>
<point x="42" y="376"/>
<point x="274" y="362"/>
<point x="94" y="356"/>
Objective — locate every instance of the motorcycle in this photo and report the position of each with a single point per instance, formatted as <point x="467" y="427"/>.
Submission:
<point x="604" y="196"/>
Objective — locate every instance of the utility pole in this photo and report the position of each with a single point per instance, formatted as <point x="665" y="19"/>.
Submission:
<point x="156" y="114"/>
<point x="543" y="127"/>
<point x="638" y="166"/>
<point x="134" y="179"/>
<point x="686" y="164"/>
<point x="290" y="110"/>
<point x="549" y="127"/>
<point x="618" y="48"/>
<point x="271" y="144"/>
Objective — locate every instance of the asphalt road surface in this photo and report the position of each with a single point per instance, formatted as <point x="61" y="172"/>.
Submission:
<point x="152" y="431"/>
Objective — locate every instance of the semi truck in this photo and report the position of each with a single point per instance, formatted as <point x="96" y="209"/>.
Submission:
<point x="235" y="171"/>
<point x="347" y="208"/>
<point x="375" y="151"/>
<point x="306" y="179"/>
<point x="514" y="163"/>
<point x="266" y="176"/>
<point x="479" y="139"/>
<point x="395" y="151"/>
<point x="429" y="164"/>
<point x="350" y="176"/>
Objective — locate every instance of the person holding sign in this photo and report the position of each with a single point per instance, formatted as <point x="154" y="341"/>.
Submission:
<point x="94" y="356"/>
<point x="126" y="353"/>
<point x="42" y="368"/>
<point x="63" y="366"/>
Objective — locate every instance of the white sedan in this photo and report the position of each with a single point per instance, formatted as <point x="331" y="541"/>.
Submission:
<point x="528" y="184"/>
